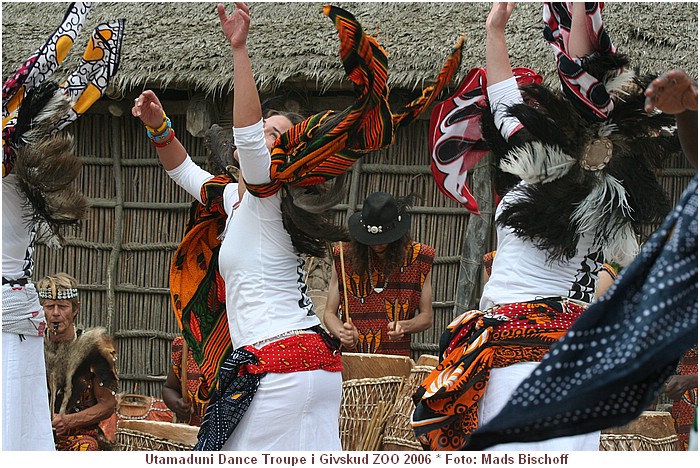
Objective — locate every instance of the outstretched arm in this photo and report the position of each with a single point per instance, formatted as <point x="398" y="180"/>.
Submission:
<point x="246" y="102"/>
<point x="498" y="66"/>
<point x="580" y="44"/>
<point x="502" y="90"/>
<point x="148" y="108"/>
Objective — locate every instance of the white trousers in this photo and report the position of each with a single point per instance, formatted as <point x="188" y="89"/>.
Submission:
<point x="502" y="383"/>
<point x="297" y="411"/>
<point x="26" y="420"/>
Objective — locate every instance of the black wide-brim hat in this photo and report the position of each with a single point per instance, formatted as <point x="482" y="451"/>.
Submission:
<point x="380" y="221"/>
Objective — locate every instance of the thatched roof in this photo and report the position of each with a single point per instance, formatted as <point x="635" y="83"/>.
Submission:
<point x="180" y="45"/>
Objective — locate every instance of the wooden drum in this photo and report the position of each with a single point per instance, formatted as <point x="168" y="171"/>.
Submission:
<point x="651" y="431"/>
<point x="140" y="435"/>
<point x="398" y="434"/>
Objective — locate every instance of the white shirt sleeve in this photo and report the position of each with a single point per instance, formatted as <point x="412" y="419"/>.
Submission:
<point x="190" y="177"/>
<point x="502" y="95"/>
<point x="253" y="155"/>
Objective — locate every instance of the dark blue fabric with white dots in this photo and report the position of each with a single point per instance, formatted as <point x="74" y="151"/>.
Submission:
<point x="615" y="359"/>
<point x="229" y="402"/>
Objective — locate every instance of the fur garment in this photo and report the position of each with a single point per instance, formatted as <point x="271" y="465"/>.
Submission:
<point x="93" y="353"/>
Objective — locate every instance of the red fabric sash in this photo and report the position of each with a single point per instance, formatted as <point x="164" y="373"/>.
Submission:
<point x="302" y="352"/>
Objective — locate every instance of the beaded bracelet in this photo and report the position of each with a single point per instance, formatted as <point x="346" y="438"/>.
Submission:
<point x="163" y="136"/>
<point x="161" y="129"/>
<point x="164" y="142"/>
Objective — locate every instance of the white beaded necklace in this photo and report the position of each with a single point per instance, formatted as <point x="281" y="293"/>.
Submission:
<point x="371" y="280"/>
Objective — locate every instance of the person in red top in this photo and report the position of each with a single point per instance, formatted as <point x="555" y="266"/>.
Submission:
<point x="386" y="281"/>
<point x="188" y="408"/>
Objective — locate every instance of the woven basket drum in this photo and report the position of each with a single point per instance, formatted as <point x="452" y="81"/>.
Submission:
<point x="398" y="433"/>
<point x="651" y="431"/>
<point x="358" y="403"/>
<point x="154" y="436"/>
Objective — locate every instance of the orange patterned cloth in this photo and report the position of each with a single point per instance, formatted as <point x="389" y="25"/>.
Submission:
<point x="328" y="143"/>
<point x="371" y="311"/>
<point x="87" y="440"/>
<point x="475" y="342"/>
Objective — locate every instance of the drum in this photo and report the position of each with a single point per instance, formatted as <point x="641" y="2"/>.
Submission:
<point x="651" y="431"/>
<point x="398" y="433"/>
<point x="364" y="366"/>
<point x="365" y="406"/>
<point x="131" y="406"/>
<point x="140" y="435"/>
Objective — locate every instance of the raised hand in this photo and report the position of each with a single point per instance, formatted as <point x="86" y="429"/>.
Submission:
<point x="148" y="108"/>
<point x="672" y="93"/>
<point x="236" y="26"/>
<point x="499" y="16"/>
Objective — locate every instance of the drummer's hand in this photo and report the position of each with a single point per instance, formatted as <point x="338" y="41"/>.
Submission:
<point x="677" y="385"/>
<point x="183" y="410"/>
<point x="348" y="335"/>
<point x="396" y="331"/>
<point x="59" y="424"/>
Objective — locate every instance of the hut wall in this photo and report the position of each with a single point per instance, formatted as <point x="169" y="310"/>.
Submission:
<point x="122" y="252"/>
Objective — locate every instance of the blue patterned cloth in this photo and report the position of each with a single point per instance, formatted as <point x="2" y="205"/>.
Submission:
<point x="229" y="402"/>
<point x="615" y="359"/>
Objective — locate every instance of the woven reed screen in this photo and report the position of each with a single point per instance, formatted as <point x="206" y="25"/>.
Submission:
<point x="122" y="252"/>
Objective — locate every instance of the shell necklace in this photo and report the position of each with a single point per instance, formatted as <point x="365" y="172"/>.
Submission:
<point x="376" y="289"/>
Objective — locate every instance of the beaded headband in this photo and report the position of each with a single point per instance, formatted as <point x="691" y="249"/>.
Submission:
<point x="58" y="293"/>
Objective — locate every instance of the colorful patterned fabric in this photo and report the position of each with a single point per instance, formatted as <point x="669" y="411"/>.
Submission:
<point x="371" y="311"/>
<point x="580" y="86"/>
<point x="455" y="138"/>
<point x="446" y="411"/>
<point x="194" y="379"/>
<point x="616" y="358"/>
<point x="85" y="440"/>
<point x="685" y="409"/>
<point x="327" y="144"/>
<point x="488" y="261"/>
<point x="197" y="290"/>
<point x="84" y="86"/>
<point x="242" y="371"/>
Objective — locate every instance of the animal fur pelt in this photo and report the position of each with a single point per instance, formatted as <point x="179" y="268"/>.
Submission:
<point x="91" y="352"/>
<point x="46" y="164"/>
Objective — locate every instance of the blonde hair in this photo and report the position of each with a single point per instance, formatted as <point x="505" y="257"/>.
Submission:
<point x="60" y="286"/>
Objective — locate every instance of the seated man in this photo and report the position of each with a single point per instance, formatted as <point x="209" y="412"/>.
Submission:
<point x="82" y="381"/>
